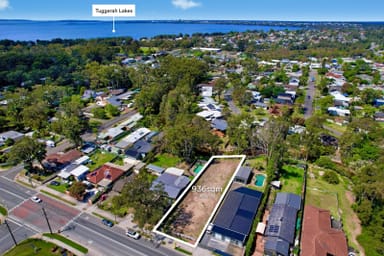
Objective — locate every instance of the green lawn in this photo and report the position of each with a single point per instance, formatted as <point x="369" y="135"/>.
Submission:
<point x="331" y="197"/>
<point x="33" y="247"/>
<point x="118" y="160"/>
<point x="336" y="127"/>
<point x="57" y="197"/>
<point x="99" y="158"/>
<point x="166" y="160"/>
<point x="257" y="162"/>
<point x="292" y="179"/>
<point x="61" y="188"/>
<point x="68" y="242"/>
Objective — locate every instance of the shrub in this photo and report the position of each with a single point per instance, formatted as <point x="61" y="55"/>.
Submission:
<point x="326" y="162"/>
<point x="331" y="177"/>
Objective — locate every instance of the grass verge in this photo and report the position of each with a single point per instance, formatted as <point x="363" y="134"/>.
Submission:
<point x="103" y="217"/>
<point x="65" y="240"/>
<point x="33" y="247"/>
<point x="3" y="211"/>
<point x="25" y="184"/>
<point x="183" y="250"/>
<point x="57" y="197"/>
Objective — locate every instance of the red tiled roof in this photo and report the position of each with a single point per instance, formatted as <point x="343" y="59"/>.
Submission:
<point x="330" y="74"/>
<point x="64" y="158"/>
<point x="318" y="237"/>
<point x="105" y="172"/>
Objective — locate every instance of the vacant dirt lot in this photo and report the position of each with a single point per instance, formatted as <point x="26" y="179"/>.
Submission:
<point x="190" y="217"/>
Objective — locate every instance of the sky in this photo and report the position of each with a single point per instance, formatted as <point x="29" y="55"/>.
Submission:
<point x="284" y="10"/>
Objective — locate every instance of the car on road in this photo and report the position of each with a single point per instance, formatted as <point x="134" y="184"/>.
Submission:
<point x="107" y="222"/>
<point x="132" y="234"/>
<point x="55" y="183"/>
<point x="36" y="199"/>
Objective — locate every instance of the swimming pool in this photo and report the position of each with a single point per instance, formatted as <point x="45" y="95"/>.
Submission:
<point x="259" y="180"/>
<point x="198" y="169"/>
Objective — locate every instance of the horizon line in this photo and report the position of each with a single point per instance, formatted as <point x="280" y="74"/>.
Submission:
<point x="191" y="20"/>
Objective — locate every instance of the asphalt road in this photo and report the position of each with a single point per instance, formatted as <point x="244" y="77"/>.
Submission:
<point x="20" y="232"/>
<point x="116" y="120"/>
<point x="234" y="109"/>
<point x="12" y="194"/>
<point x="308" y="104"/>
<point x="104" y="240"/>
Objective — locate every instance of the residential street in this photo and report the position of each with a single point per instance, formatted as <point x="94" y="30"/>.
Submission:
<point x="26" y="219"/>
<point x="308" y="104"/>
<point x="110" y="241"/>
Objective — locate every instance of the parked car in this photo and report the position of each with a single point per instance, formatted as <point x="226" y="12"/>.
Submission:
<point x="107" y="222"/>
<point x="54" y="183"/>
<point x="36" y="199"/>
<point x="132" y="234"/>
<point x="209" y="228"/>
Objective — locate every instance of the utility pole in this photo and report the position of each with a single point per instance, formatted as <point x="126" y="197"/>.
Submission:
<point x="10" y="231"/>
<point x="46" y="218"/>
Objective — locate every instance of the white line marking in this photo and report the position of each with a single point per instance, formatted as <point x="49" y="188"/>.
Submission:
<point x="6" y="191"/>
<point x="106" y="237"/>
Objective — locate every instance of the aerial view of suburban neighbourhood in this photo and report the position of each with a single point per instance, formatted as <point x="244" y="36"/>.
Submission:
<point x="201" y="133"/>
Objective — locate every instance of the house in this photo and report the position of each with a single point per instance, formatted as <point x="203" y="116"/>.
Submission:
<point x="114" y="101"/>
<point x="243" y="174"/>
<point x="318" y="237"/>
<point x="155" y="169"/>
<point x="111" y="133"/>
<point x="285" y="98"/>
<point x="280" y="232"/>
<point x="132" y="138"/>
<point x="379" y="116"/>
<point x="378" y="102"/>
<point x="172" y="184"/>
<point x="13" y="135"/>
<point x="65" y="173"/>
<point x="334" y="111"/>
<point x="107" y="174"/>
<point x="206" y="90"/>
<point x="79" y="173"/>
<point x="82" y="160"/>
<point x="342" y="99"/>
<point x="219" y="124"/>
<point x="234" y="219"/>
<point x="60" y="160"/>
<point x="139" y="150"/>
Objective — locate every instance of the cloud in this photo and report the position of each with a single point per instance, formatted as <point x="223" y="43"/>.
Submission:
<point x="4" y="4"/>
<point x="183" y="4"/>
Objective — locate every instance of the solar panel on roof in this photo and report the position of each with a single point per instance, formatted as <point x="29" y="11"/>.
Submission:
<point x="274" y="228"/>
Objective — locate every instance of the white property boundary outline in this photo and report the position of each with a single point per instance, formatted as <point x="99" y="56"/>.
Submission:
<point x="242" y="157"/>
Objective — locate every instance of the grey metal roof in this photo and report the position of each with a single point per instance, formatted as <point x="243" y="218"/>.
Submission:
<point x="244" y="172"/>
<point x="11" y="135"/>
<point x="172" y="184"/>
<point x="289" y="199"/>
<point x="219" y="124"/>
<point x="274" y="244"/>
<point x="236" y="215"/>
<point x="282" y="222"/>
<point x="155" y="168"/>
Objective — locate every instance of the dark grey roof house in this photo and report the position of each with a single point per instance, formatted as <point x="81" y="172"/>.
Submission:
<point x="172" y="184"/>
<point x="234" y="220"/>
<point x="243" y="174"/>
<point x="280" y="232"/>
<point x="139" y="150"/>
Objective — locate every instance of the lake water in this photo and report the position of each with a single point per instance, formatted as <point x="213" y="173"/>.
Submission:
<point x="47" y="30"/>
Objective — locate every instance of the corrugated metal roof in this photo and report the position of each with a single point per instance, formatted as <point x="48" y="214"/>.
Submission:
<point x="274" y="244"/>
<point x="290" y="199"/>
